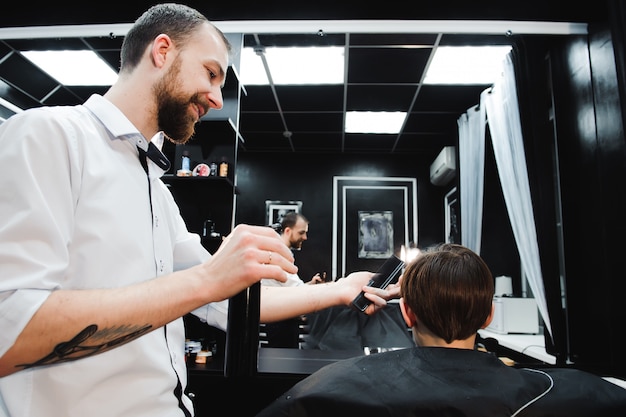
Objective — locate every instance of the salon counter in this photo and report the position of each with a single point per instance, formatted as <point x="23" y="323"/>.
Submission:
<point x="278" y="370"/>
<point x="530" y="345"/>
<point x="283" y="361"/>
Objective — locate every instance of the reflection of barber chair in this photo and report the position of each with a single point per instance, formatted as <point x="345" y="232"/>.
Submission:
<point x="342" y="328"/>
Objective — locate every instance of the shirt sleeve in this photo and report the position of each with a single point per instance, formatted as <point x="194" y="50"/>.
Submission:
<point x="37" y="180"/>
<point x="214" y="314"/>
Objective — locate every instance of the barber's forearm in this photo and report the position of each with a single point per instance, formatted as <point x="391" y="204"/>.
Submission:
<point x="280" y="303"/>
<point x="73" y="324"/>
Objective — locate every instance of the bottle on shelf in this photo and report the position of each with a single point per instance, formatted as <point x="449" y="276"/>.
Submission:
<point x="185" y="170"/>
<point x="223" y="172"/>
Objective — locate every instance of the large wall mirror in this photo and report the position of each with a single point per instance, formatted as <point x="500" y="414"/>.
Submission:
<point x="385" y="65"/>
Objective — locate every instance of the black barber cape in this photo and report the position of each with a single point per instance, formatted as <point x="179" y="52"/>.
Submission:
<point x="446" y="382"/>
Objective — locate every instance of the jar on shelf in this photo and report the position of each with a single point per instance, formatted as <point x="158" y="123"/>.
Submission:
<point x="204" y="356"/>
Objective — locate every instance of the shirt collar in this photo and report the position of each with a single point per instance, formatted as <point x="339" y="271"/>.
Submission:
<point x="111" y="117"/>
<point x="120" y="127"/>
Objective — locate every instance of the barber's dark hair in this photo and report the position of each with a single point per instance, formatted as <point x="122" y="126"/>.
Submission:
<point x="450" y="289"/>
<point x="176" y="20"/>
<point x="290" y="219"/>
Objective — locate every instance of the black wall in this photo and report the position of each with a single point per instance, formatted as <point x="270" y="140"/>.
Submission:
<point x="592" y="152"/>
<point x="309" y="179"/>
<point x="572" y="114"/>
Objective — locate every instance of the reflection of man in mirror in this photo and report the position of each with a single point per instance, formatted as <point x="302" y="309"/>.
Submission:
<point x="293" y="230"/>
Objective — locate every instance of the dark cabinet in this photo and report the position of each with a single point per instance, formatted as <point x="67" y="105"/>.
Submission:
<point x="204" y="201"/>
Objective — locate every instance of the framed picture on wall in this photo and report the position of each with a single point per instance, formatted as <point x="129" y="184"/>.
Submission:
<point x="351" y="194"/>
<point x="275" y="210"/>
<point x="451" y="207"/>
<point x="375" y="234"/>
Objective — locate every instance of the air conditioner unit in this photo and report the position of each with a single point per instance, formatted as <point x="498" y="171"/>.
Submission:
<point x="443" y="169"/>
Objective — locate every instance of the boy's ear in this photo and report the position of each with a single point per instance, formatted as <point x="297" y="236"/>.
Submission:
<point x="489" y="317"/>
<point x="407" y="313"/>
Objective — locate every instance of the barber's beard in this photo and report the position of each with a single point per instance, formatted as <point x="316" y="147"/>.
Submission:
<point x="173" y="115"/>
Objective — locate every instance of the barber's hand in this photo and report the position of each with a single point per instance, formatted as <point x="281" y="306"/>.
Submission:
<point x="357" y="281"/>
<point x="245" y="256"/>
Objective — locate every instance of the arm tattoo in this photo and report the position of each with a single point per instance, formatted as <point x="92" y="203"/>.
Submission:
<point x="88" y="342"/>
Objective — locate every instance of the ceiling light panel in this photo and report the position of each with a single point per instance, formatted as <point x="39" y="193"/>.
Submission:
<point x="293" y="66"/>
<point x="374" y="122"/>
<point x="466" y="64"/>
<point x="73" y="68"/>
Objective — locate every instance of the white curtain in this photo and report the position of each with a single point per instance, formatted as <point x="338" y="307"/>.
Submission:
<point x="505" y="127"/>
<point x="472" y="167"/>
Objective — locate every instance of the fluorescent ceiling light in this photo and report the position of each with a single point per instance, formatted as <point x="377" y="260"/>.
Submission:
<point x="374" y="122"/>
<point x="466" y="64"/>
<point x="73" y="68"/>
<point x="293" y="65"/>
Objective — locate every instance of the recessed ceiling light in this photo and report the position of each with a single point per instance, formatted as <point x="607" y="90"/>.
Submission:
<point x="73" y="68"/>
<point x="374" y="122"/>
<point x="293" y="65"/>
<point x="466" y="64"/>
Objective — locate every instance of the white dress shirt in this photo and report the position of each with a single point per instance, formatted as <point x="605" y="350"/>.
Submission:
<point x="76" y="214"/>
